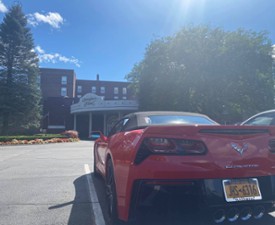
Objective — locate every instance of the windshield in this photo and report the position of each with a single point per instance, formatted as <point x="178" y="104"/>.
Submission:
<point x="261" y="120"/>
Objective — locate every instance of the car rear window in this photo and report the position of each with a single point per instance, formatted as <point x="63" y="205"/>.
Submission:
<point x="174" y="119"/>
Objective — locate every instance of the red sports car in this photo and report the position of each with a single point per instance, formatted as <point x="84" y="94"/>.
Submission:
<point x="226" y="171"/>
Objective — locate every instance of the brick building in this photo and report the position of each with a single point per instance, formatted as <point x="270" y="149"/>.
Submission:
<point x="82" y="105"/>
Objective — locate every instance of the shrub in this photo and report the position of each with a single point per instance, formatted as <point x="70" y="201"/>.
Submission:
<point x="71" y="133"/>
<point x="38" y="141"/>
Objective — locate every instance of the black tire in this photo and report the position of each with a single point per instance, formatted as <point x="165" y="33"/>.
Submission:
<point x="96" y="173"/>
<point x="111" y="195"/>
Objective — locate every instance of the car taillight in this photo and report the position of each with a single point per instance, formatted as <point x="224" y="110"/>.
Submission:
<point x="160" y="145"/>
<point x="272" y="145"/>
<point x="169" y="146"/>
<point x="191" y="147"/>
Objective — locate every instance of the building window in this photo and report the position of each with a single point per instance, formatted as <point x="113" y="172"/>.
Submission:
<point x="124" y="91"/>
<point x="93" y="89"/>
<point x="116" y="97"/>
<point x="63" y="91"/>
<point x="79" y="89"/>
<point x="102" y="90"/>
<point x="115" y="90"/>
<point x="124" y="97"/>
<point x="64" y="80"/>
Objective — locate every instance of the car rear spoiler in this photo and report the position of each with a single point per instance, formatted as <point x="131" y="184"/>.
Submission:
<point x="175" y="130"/>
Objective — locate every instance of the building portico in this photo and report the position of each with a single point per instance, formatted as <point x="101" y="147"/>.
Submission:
<point x="93" y="113"/>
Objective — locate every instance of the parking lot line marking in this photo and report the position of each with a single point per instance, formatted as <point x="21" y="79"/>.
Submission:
<point x="98" y="215"/>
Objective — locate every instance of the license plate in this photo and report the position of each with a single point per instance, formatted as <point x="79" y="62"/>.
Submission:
<point x="241" y="190"/>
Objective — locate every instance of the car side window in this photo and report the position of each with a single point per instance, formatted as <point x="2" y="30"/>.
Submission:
<point x="130" y="124"/>
<point x="266" y="119"/>
<point x="118" y="126"/>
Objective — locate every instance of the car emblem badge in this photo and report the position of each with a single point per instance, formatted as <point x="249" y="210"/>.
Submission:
<point x="239" y="148"/>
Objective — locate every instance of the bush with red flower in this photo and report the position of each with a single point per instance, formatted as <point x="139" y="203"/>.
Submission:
<point x="67" y="136"/>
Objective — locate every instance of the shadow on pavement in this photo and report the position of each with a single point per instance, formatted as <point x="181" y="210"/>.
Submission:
<point x="81" y="212"/>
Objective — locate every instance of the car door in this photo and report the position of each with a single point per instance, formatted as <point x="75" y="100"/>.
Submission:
<point x="116" y="137"/>
<point x="108" y="143"/>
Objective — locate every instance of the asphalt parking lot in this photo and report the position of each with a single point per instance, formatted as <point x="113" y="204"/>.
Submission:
<point x="54" y="184"/>
<point x="45" y="184"/>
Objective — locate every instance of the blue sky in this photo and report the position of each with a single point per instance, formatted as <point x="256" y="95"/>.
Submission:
<point x="107" y="37"/>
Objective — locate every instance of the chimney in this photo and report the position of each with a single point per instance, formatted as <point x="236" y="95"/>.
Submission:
<point x="97" y="77"/>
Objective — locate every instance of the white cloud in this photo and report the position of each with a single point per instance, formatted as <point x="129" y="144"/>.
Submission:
<point x="55" y="57"/>
<point x="54" y="19"/>
<point x="3" y="8"/>
<point x="39" y="50"/>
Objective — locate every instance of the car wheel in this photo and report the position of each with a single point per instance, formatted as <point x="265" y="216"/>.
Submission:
<point x="96" y="173"/>
<point x="111" y="195"/>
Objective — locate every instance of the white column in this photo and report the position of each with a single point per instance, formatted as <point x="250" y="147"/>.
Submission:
<point x="74" y="121"/>
<point x="90" y="122"/>
<point x="104" y="124"/>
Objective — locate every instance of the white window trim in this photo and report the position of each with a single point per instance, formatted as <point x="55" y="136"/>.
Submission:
<point x="64" y="80"/>
<point x="116" y="90"/>
<point x="102" y="90"/>
<point x="64" y="91"/>
<point x="124" y="91"/>
<point x="79" y="88"/>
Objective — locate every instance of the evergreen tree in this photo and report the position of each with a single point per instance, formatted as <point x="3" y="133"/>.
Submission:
<point x="19" y="88"/>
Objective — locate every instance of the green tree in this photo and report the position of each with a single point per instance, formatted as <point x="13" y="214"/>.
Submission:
<point x="224" y="74"/>
<point x="19" y="89"/>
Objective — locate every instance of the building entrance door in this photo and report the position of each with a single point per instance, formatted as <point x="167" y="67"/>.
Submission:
<point x="82" y="126"/>
<point x="98" y="122"/>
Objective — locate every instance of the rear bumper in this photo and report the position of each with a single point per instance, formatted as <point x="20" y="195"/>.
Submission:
<point x="192" y="196"/>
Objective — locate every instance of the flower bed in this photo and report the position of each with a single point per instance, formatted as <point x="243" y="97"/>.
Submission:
<point x="39" y="141"/>
<point x="67" y="136"/>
